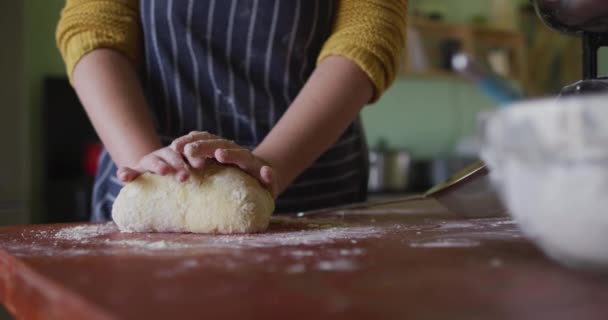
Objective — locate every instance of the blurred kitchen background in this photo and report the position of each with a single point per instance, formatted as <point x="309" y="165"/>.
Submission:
<point x="419" y="133"/>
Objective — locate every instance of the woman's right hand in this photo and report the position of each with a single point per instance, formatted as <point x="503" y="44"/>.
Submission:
<point x="162" y="162"/>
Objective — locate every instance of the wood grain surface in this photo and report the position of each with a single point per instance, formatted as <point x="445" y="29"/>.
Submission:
<point x="413" y="262"/>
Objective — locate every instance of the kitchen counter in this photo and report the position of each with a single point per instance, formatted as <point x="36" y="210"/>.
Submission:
<point x="412" y="261"/>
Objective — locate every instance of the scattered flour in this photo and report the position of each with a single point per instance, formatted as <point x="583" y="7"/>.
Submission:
<point x="351" y="252"/>
<point x="496" y="263"/>
<point x="107" y="236"/>
<point x="296" y="241"/>
<point x="149" y="245"/>
<point x="313" y="234"/>
<point x="336" y="265"/>
<point x="84" y="232"/>
<point x="457" y="225"/>
<point x="296" y="268"/>
<point x="446" y="243"/>
<point x="295" y="238"/>
<point x="504" y="222"/>
<point x="302" y="253"/>
<point x="183" y="266"/>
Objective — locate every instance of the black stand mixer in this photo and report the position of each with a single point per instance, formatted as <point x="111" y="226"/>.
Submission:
<point x="585" y="18"/>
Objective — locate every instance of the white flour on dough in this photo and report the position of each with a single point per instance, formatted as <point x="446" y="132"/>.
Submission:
<point x="218" y="199"/>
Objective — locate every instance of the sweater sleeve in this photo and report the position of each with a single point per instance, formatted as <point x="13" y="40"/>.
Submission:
<point x="371" y="33"/>
<point x="86" y="25"/>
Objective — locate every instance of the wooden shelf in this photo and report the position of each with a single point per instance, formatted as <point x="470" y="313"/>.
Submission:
<point x="476" y="41"/>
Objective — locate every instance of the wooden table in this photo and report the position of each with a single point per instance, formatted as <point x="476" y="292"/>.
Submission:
<point x="413" y="262"/>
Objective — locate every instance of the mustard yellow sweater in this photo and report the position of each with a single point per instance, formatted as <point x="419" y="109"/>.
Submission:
<point x="370" y="33"/>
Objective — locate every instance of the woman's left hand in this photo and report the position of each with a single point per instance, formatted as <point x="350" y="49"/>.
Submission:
<point x="198" y="146"/>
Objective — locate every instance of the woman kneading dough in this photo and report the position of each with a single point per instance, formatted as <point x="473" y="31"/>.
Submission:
<point x="217" y="108"/>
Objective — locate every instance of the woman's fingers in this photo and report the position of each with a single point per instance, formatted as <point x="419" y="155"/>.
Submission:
<point x="270" y="180"/>
<point x="176" y="161"/>
<point x="196" y="152"/>
<point x="198" y="146"/>
<point x="180" y="143"/>
<point x="155" y="164"/>
<point x="206" y="148"/>
<point x="267" y="175"/>
<point x="172" y="158"/>
<point x="162" y="162"/>
<point x="126" y="174"/>
<point x="195" y="162"/>
<point x="243" y="159"/>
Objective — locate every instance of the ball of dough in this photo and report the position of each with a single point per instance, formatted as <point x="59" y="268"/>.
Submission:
<point x="217" y="199"/>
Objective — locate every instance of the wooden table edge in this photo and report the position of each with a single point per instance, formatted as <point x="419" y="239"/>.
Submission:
<point x="21" y="287"/>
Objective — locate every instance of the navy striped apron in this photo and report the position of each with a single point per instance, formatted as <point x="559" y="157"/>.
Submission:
<point x="233" y="68"/>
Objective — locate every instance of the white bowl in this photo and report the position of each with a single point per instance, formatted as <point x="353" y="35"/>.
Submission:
<point x="549" y="162"/>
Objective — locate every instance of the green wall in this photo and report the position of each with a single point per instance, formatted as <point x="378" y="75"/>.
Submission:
<point x="603" y="62"/>
<point x="426" y="117"/>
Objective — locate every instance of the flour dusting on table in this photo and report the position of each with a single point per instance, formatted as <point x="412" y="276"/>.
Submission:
<point x="105" y="238"/>
<point x="79" y="233"/>
<point x="446" y="243"/>
<point x="148" y="245"/>
<point x="291" y="246"/>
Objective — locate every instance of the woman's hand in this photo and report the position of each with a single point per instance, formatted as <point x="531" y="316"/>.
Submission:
<point x="162" y="162"/>
<point x="198" y="146"/>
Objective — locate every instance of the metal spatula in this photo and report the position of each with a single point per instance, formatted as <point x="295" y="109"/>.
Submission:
<point x="469" y="193"/>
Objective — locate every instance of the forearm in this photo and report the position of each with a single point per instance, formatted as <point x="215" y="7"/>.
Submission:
<point x="329" y="102"/>
<point x="109" y="90"/>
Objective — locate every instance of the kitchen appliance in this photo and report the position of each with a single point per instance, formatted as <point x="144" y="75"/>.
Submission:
<point x="587" y="19"/>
